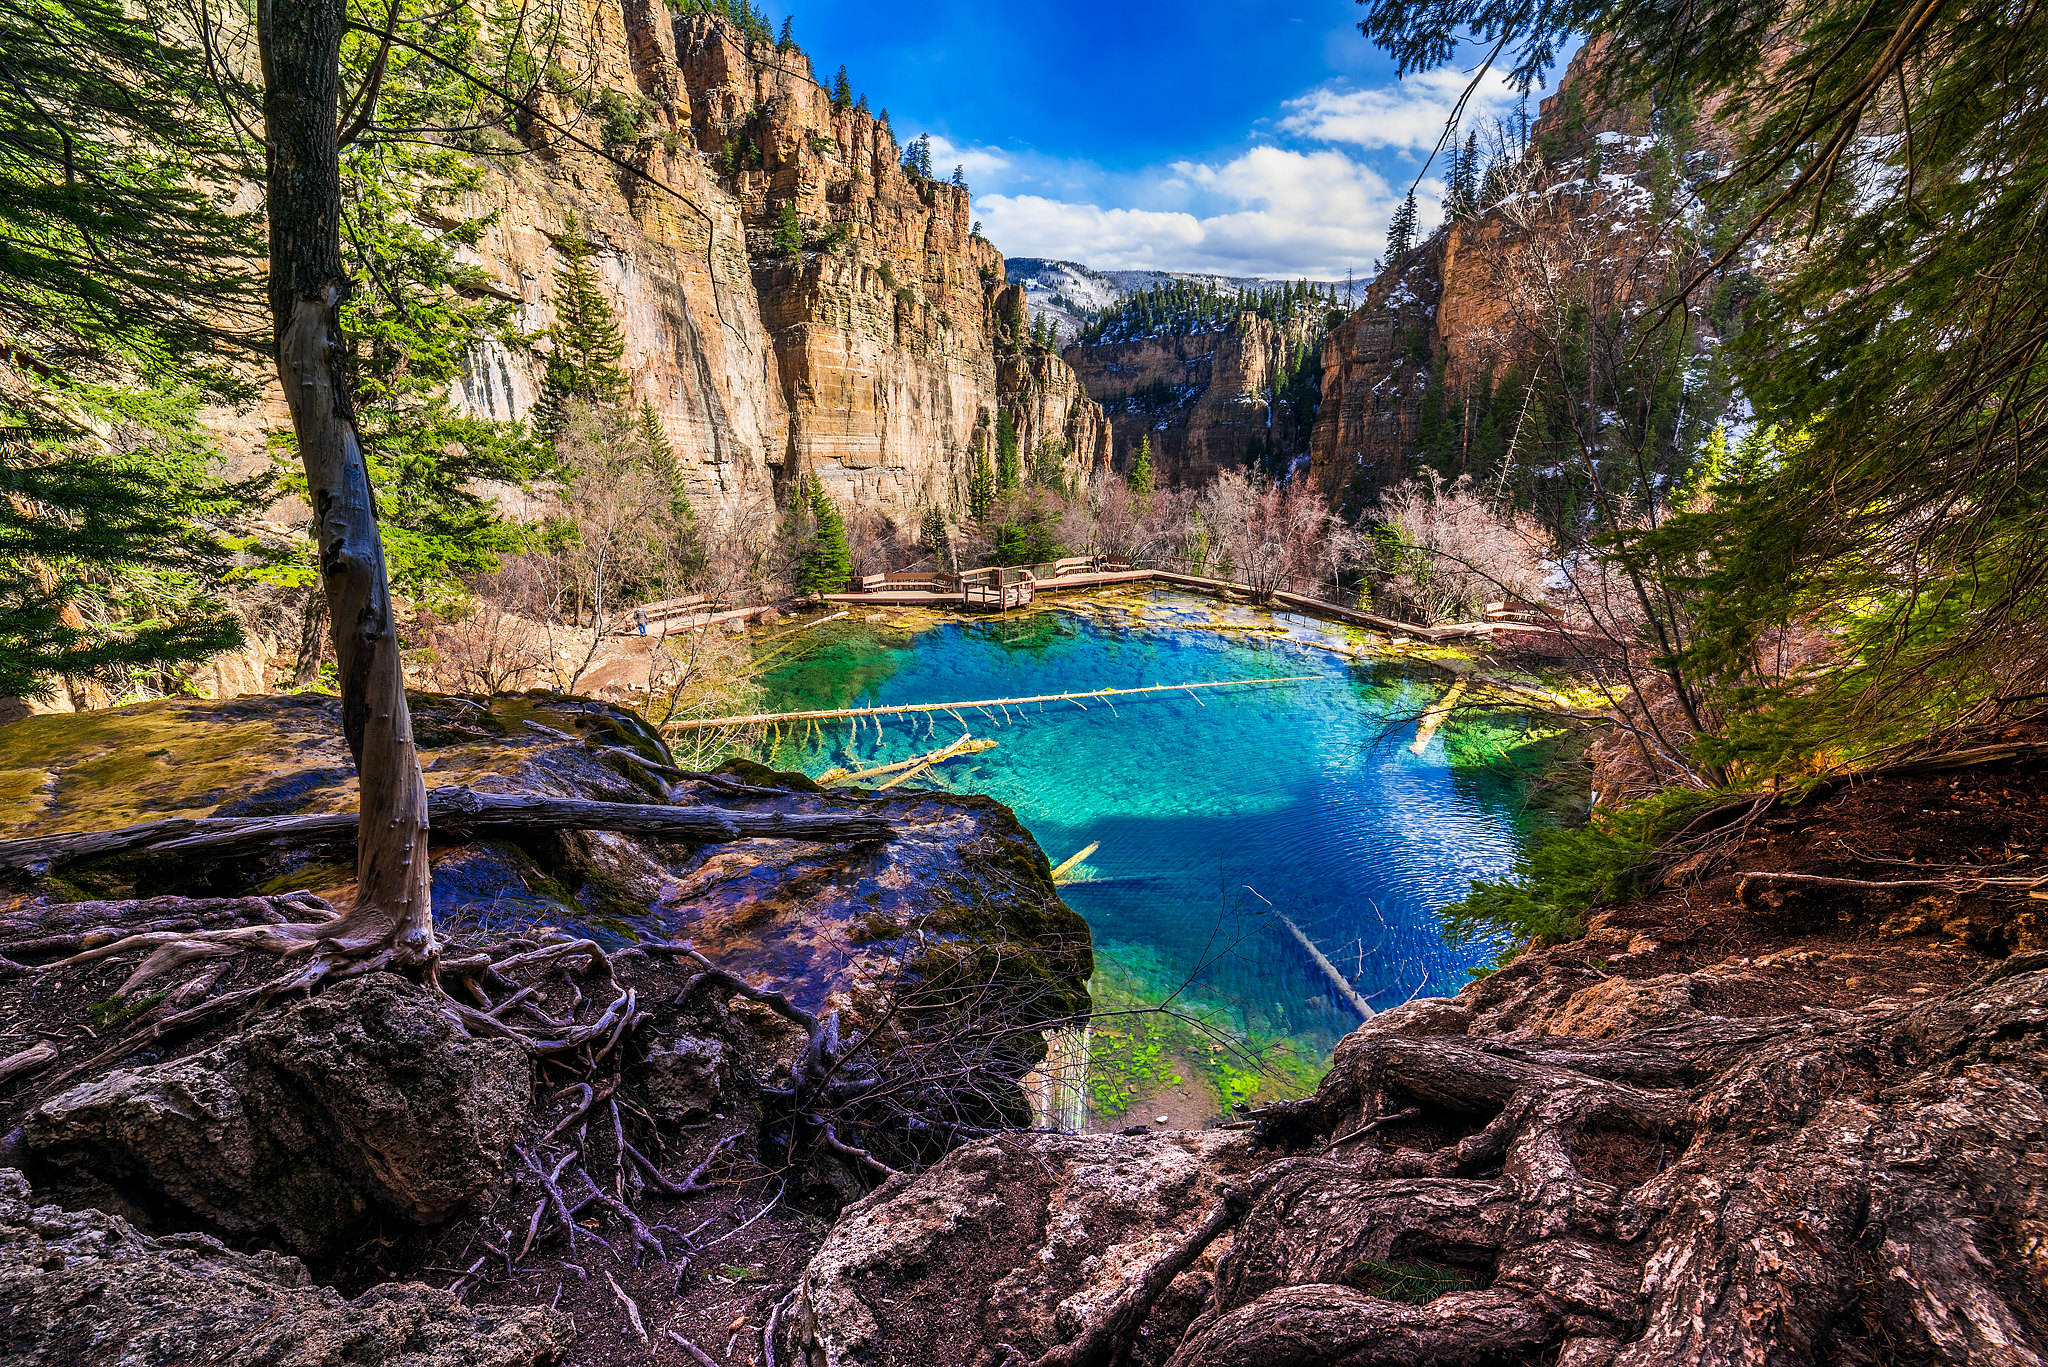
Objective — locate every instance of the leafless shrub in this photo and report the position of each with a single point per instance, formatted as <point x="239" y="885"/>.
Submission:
<point x="873" y="542"/>
<point x="613" y="547"/>
<point x="699" y="673"/>
<point x="497" y="641"/>
<point x="1445" y="549"/>
<point x="1265" y="536"/>
<point x="746" y="561"/>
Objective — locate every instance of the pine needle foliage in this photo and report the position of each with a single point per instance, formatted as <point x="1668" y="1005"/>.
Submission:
<point x="113" y="557"/>
<point x="933" y="540"/>
<point x="1188" y="308"/>
<point x="125" y="297"/>
<point x="789" y="230"/>
<point x="118" y="241"/>
<point x="1894" y="158"/>
<point x="588" y="344"/>
<point x="1561" y="874"/>
<point x="1141" y="477"/>
<point x="826" y="563"/>
<point x="1401" y="232"/>
<point x="1009" y="454"/>
<point x="981" y="484"/>
<point x="685" y="537"/>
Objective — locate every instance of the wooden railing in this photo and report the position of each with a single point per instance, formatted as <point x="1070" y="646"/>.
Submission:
<point x="998" y="588"/>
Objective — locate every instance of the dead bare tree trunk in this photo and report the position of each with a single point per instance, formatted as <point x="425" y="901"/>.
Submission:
<point x="301" y="47"/>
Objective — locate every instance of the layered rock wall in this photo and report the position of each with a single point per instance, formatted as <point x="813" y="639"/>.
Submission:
<point x="872" y="358"/>
<point x="1205" y="400"/>
<point x="1587" y="221"/>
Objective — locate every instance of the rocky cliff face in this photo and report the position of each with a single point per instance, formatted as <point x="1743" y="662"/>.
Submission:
<point x="1587" y="220"/>
<point x="870" y="358"/>
<point x="1205" y="400"/>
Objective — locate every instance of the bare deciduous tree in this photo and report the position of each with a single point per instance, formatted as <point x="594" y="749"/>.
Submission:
<point x="497" y="640"/>
<point x="1445" y="548"/>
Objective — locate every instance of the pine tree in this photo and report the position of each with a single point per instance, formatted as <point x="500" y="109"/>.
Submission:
<point x="981" y="484"/>
<point x="827" y="563"/>
<point x="842" y="92"/>
<point x="1401" y="233"/>
<point x="1464" y="199"/>
<point x="686" y="539"/>
<point x="654" y="442"/>
<point x="121" y="276"/>
<point x="1016" y="321"/>
<point x="1140" y="475"/>
<point x="787" y="42"/>
<point x="917" y="158"/>
<point x="1009" y="464"/>
<point x="1038" y="332"/>
<point x="960" y="176"/>
<point x="789" y="230"/>
<point x="932" y="538"/>
<point x="108" y="558"/>
<point x="588" y="342"/>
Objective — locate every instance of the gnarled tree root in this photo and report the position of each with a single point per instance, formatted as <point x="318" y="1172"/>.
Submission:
<point x="1865" y="1186"/>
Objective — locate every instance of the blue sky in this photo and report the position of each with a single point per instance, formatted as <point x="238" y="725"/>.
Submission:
<point x="1249" y="140"/>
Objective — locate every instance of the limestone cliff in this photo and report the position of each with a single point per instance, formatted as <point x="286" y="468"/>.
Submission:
<point x="1587" y="219"/>
<point x="869" y="358"/>
<point x="1206" y="400"/>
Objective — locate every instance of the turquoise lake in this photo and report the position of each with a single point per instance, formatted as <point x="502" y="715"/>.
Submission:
<point x="1215" y="813"/>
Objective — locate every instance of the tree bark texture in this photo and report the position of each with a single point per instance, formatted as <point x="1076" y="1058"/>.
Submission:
<point x="301" y="47"/>
<point x="1849" y="1187"/>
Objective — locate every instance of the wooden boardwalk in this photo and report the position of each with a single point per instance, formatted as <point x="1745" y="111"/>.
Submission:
<point x="1454" y="631"/>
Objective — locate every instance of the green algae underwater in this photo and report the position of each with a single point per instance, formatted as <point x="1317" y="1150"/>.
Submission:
<point x="1217" y="815"/>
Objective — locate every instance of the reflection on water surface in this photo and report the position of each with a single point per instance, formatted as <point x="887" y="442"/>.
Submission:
<point x="1212" y="811"/>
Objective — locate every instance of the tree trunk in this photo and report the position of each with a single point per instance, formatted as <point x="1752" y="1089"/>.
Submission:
<point x="301" y="47"/>
<point x="312" y="639"/>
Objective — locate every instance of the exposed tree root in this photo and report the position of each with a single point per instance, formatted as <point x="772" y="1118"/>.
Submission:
<point x="1801" y="1184"/>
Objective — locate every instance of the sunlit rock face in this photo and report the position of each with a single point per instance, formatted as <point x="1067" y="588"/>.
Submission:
<point x="1460" y="314"/>
<point x="1205" y="400"/>
<point x="870" y="359"/>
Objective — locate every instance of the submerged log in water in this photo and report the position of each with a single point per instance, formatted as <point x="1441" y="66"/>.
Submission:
<point x="827" y="714"/>
<point x="965" y="745"/>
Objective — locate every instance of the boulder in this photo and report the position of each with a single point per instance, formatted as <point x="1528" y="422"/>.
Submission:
<point x="687" y="1079"/>
<point x="87" y="1287"/>
<point x="364" y="1100"/>
<point x="1009" y="1244"/>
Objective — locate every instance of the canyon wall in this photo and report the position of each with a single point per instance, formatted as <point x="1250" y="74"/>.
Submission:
<point x="872" y="359"/>
<point x="1594" y="217"/>
<point x="1205" y="399"/>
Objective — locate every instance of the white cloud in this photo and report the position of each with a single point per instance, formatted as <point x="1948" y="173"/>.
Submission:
<point x="1317" y="204"/>
<point x="979" y="162"/>
<point x="1276" y="212"/>
<point x="1407" y="115"/>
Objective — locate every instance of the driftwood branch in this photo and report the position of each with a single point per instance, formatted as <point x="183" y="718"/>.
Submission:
<point x="455" y="814"/>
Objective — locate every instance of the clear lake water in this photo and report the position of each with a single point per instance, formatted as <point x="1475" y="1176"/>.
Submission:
<point x="1215" y="813"/>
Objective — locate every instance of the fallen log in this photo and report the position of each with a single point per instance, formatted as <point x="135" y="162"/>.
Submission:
<point x="966" y="745"/>
<point x="1345" y="990"/>
<point x="1066" y="865"/>
<point x="453" y="814"/>
<point x="831" y="713"/>
<point x="1434" y="717"/>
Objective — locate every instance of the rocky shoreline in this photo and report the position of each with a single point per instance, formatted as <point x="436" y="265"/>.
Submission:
<point x="1775" y="1111"/>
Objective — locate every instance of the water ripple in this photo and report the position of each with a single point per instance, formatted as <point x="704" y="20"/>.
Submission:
<point x="1304" y="796"/>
